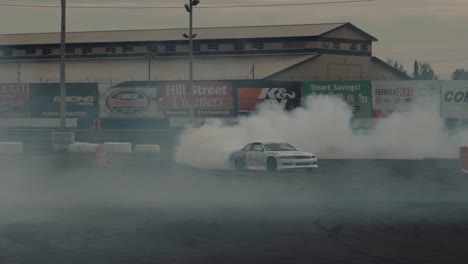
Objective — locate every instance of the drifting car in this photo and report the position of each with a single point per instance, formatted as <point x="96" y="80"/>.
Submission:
<point x="272" y="156"/>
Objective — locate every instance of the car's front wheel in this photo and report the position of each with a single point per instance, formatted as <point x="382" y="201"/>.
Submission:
<point x="272" y="164"/>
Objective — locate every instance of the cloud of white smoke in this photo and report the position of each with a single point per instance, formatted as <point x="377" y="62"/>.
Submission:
<point x="324" y="127"/>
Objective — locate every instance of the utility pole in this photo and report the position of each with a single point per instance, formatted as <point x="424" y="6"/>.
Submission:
<point x="252" y="71"/>
<point x="189" y="8"/>
<point x="150" y="55"/>
<point x="62" y="67"/>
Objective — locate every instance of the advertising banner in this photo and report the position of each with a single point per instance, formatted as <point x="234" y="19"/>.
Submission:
<point x="208" y="99"/>
<point x="129" y="102"/>
<point x="356" y="93"/>
<point x="252" y="94"/>
<point x="454" y="99"/>
<point x="81" y="100"/>
<point x="400" y="96"/>
<point x="14" y="100"/>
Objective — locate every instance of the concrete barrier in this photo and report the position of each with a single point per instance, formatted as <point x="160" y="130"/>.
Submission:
<point x="82" y="147"/>
<point x="118" y="147"/>
<point x="11" y="147"/>
<point x="147" y="149"/>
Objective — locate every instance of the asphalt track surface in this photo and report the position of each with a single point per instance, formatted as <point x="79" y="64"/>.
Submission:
<point x="344" y="212"/>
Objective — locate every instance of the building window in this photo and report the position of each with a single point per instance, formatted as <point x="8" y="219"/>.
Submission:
<point x="127" y="49"/>
<point x="152" y="49"/>
<point x="86" y="50"/>
<point x="196" y="47"/>
<point x="364" y="47"/>
<point x="325" y="44"/>
<point x="213" y="47"/>
<point x="257" y="46"/>
<point x="7" y="52"/>
<point x="294" y="45"/>
<point x="46" y="51"/>
<point x="336" y="45"/>
<point x="288" y="45"/>
<point x="170" y="48"/>
<point x="239" y="46"/>
<point x="353" y="46"/>
<point x="111" y="50"/>
<point x="30" y="52"/>
<point x="70" y="51"/>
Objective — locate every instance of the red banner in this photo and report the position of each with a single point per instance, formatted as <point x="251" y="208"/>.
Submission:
<point x="286" y="95"/>
<point x="14" y="100"/>
<point x="208" y="99"/>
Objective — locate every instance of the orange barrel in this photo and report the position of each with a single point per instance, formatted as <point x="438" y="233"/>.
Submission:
<point x="464" y="158"/>
<point x="100" y="156"/>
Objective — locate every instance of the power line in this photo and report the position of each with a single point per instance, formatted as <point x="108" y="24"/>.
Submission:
<point x="178" y="7"/>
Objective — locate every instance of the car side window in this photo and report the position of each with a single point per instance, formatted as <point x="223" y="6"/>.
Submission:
<point x="247" y="148"/>
<point x="257" y="147"/>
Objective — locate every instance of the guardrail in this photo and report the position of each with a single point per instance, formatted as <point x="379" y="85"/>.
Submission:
<point x="40" y="140"/>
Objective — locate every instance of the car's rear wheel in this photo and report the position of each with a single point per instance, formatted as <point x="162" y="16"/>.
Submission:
<point x="272" y="164"/>
<point x="238" y="164"/>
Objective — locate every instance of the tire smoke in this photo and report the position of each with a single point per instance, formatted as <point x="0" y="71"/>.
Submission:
<point x="325" y="127"/>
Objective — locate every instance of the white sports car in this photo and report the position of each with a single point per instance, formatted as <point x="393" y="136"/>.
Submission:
<point x="272" y="156"/>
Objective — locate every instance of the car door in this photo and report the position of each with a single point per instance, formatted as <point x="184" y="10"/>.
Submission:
<point x="256" y="156"/>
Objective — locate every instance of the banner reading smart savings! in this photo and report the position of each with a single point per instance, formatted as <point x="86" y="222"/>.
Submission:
<point x="400" y="96"/>
<point x="355" y="93"/>
<point x="454" y="99"/>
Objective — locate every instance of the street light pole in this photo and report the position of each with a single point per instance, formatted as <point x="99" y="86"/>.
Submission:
<point x="62" y="68"/>
<point x="191" y="60"/>
<point x="189" y="9"/>
<point x="149" y="69"/>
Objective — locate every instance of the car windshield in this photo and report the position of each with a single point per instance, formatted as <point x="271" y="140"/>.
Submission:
<point x="279" y="147"/>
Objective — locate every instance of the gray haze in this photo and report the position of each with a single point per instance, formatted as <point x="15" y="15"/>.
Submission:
<point x="323" y="128"/>
<point x="429" y="30"/>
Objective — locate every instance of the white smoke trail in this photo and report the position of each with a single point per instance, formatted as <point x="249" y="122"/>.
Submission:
<point x="324" y="127"/>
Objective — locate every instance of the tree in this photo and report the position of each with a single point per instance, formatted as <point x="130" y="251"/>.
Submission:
<point x="460" y="74"/>
<point x="423" y="71"/>
<point x="395" y="64"/>
<point x="416" y="70"/>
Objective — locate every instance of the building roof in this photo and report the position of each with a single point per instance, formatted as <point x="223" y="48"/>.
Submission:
<point x="150" y="35"/>
<point x="389" y="67"/>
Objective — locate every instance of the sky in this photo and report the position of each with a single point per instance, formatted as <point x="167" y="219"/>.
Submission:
<point x="432" y="31"/>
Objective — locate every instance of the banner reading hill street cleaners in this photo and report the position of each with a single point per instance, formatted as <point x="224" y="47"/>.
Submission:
<point x="356" y="93"/>
<point x="208" y="99"/>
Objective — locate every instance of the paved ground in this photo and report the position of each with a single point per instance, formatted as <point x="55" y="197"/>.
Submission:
<point x="345" y="212"/>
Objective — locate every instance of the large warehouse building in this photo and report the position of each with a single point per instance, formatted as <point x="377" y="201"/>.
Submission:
<point x="335" y="51"/>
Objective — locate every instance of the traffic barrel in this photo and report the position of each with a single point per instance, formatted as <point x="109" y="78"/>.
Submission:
<point x="100" y="156"/>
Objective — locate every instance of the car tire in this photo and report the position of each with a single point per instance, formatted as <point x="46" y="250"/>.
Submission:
<point x="272" y="164"/>
<point x="238" y="164"/>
